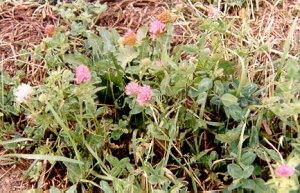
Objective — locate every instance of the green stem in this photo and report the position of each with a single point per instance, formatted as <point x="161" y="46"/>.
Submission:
<point x="243" y="78"/>
<point x="240" y="145"/>
<point x="80" y="109"/>
<point x="188" y="170"/>
<point x="239" y="155"/>
<point x="2" y="92"/>
<point x="61" y="123"/>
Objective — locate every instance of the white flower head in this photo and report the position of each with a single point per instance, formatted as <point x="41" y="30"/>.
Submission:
<point x="23" y="93"/>
<point x="43" y="98"/>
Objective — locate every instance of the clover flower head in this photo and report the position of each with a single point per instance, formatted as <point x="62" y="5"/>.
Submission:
<point x="42" y="98"/>
<point x="159" y="63"/>
<point x="129" y="38"/>
<point x="49" y="30"/>
<point x="132" y="89"/>
<point x="166" y="17"/>
<point x="23" y="93"/>
<point x="82" y="74"/>
<point x="145" y="95"/>
<point x="284" y="170"/>
<point x="213" y="12"/>
<point x="156" y="28"/>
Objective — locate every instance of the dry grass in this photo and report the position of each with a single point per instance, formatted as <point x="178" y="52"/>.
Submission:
<point x="11" y="177"/>
<point x="260" y="30"/>
<point x="21" y="28"/>
<point x="128" y="14"/>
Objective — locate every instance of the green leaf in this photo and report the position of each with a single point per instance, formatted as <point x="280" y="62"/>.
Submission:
<point x="235" y="171"/>
<point x="202" y="40"/>
<point x="219" y="88"/>
<point x="234" y="185"/>
<point x="107" y="40"/>
<point x="72" y="189"/>
<point x="249" y="90"/>
<point x="136" y="109"/>
<point x="228" y="100"/>
<point x="158" y="191"/>
<point x="260" y="185"/>
<point x="58" y="40"/>
<point x="73" y="173"/>
<point x="54" y="190"/>
<point x="95" y="155"/>
<point x="228" y="67"/>
<point x="153" y="179"/>
<point x="273" y="154"/>
<point x="15" y="141"/>
<point x="205" y="84"/>
<point x="254" y="137"/>
<point x="191" y="48"/>
<point x="142" y="33"/>
<point x="126" y="54"/>
<point x="197" y="157"/>
<point x="201" y="98"/>
<point x="177" y="188"/>
<point x="230" y="136"/>
<point x="98" y="8"/>
<point x="288" y="41"/>
<point x="293" y="69"/>
<point x="235" y="111"/>
<point x="248" y="184"/>
<point x="96" y="43"/>
<point x="38" y="190"/>
<point x="248" y="170"/>
<point x="165" y="84"/>
<point x="179" y="86"/>
<point x="204" y="55"/>
<point x="248" y="158"/>
<point x="119" y="166"/>
<point x="105" y="187"/>
<point x="77" y="59"/>
<point x="193" y="92"/>
<point x="77" y="28"/>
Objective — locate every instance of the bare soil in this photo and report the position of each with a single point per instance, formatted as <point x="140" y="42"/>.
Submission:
<point x="11" y="179"/>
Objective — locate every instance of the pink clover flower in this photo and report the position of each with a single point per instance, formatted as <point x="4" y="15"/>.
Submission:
<point x="82" y="74"/>
<point x="284" y="170"/>
<point x="145" y="95"/>
<point x="156" y="28"/>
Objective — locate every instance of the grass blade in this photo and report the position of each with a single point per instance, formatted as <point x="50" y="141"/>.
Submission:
<point x="43" y="157"/>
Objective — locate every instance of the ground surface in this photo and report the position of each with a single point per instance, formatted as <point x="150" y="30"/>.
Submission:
<point x="11" y="179"/>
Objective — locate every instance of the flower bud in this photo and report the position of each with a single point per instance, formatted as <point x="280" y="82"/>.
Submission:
<point x="166" y="17"/>
<point x="129" y="38"/>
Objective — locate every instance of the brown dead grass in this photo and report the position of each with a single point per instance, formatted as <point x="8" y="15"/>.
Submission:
<point x="11" y="177"/>
<point x="128" y="14"/>
<point x="21" y="28"/>
<point x="266" y="23"/>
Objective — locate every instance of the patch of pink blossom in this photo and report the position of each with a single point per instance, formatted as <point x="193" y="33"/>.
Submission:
<point x="143" y="94"/>
<point x="23" y="93"/>
<point x="132" y="89"/>
<point x="82" y="74"/>
<point x="156" y="28"/>
<point x="129" y="38"/>
<point x="284" y="170"/>
<point x="49" y="30"/>
<point x="213" y="12"/>
<point x="158" y="63"/>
